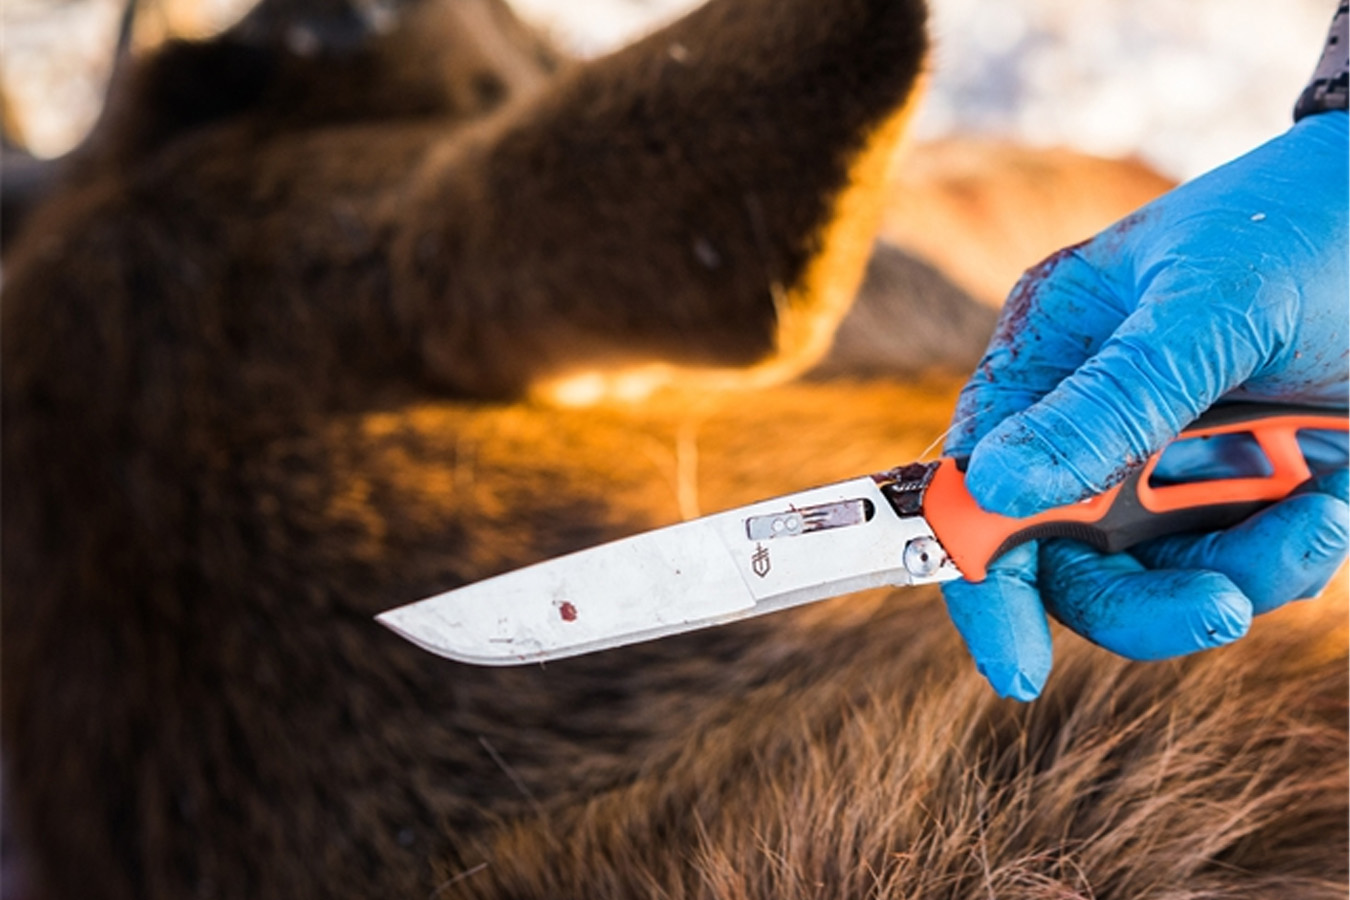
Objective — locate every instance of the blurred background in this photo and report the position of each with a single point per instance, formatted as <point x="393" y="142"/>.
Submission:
<point x="1182" y="84"/>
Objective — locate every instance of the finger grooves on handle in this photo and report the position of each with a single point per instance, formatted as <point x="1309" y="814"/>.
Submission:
<point x="1277" y="438"/>
<point x="1132" y="511"/>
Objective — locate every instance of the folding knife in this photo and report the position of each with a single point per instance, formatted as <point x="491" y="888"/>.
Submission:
<point x="914" y="524"/>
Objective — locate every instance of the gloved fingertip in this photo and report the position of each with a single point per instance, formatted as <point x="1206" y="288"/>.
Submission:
<point x="1329" y="533"/>
<point x="1003" y="624"/>
<point x="1012" y="682"/>
<point x="1285" y="552"/>
<point x="1227" y="614"/>
<point x="1012" y="472"/>
<point x="1151" y="615"/>
<point x="1316" y="587"/>
<point x="1328" y="546"/>
<point x="997" y="491"/>
<point x="1298" y="546"/>
<point x="1335" y="483"/>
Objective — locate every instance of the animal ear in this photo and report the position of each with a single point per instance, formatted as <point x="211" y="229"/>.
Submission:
<point x="706" y="197"/>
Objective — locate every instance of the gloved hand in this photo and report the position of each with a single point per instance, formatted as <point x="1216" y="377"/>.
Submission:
<point x="1232" y="286"/>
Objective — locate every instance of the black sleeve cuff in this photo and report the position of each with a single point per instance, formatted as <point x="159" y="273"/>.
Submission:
<point x="1327" y="90"/>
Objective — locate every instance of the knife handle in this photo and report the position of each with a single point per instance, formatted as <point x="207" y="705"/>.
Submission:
<point x="1139" y="507"/>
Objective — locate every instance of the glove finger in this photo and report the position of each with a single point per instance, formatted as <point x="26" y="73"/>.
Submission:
<point x="1336" y="483"/>
<point x="1199" y="332"/>
<point x="1113" y="601"/>
<point x="1003" y="624"/>
<point x="1055" y="317"/>
<point x="1326" y="451"/>
<point x="1283" y="553"/>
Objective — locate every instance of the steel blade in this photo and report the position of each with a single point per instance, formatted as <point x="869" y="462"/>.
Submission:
<point x="773" y="554"/>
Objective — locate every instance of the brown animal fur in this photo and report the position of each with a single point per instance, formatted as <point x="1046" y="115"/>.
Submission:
<point x="227" y="444"/>
<point x="874" y="763"/>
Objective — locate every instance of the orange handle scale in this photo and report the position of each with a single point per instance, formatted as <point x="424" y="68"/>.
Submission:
<point x="1133" y="511"/>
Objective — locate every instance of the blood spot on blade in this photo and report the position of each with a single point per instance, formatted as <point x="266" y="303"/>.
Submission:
<point x="567" y="611"/>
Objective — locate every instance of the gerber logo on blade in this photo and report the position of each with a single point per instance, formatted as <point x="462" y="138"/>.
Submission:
<point x="760" y="560"/>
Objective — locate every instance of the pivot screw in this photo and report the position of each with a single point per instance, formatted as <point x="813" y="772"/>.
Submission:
<point x="923" y="557"/>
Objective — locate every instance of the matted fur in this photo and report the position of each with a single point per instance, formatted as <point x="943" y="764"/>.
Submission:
<point x="261" y="379"/>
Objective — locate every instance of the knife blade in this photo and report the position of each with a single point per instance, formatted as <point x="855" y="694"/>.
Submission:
<point x="914" y="524"/>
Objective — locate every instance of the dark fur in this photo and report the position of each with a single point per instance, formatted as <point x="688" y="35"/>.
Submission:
<point x="250" y="399"/>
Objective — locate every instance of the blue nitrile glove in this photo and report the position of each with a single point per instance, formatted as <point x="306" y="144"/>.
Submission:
<point x="1232" y="286"/>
